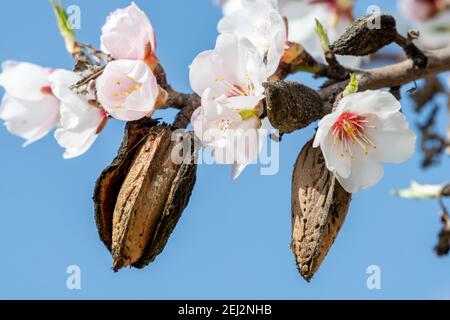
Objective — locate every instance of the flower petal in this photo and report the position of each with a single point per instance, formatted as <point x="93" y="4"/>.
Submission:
<point x="24" y="80"/>
<point x="365" y="172"/>
<point x="380" y="103"/>
<point x="127" y="90"/>
<point x="30" y="120"/>
<point x="395" y="142"/>
<point x="335" y="160"/>
<point x="78" y="138"/>
<point x="126" y="34"/>
<point x="201" y="74"/>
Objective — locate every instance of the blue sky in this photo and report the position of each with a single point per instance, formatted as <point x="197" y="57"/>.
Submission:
<point x="233" y="239"/>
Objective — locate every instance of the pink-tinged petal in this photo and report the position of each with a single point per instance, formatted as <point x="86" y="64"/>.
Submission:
<point x="233" y="68"/>
<point x="127" y="90"/>
<point x="80" y="120"/>
<point x="201" y="75"/>
<point x="417" y="9"/>
<point x="126" y="34"/>
<point x="29" y="119"/>
<point x="24" y="80"/>
<point x="78" y="131"/>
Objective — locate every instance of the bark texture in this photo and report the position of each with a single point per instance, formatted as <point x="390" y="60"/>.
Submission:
<point x="108" y="185"/>
<point x="141" y="196"/>
<point x="366" y="35"/>
<point x="319" y="208"/>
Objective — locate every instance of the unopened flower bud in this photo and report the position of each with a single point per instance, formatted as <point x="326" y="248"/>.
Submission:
<point x="65" y="28"/>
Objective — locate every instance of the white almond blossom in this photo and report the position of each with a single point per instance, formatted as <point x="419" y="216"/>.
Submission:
<point x="431" y="18"/>
<point x="234" y="70"/>
<point x="419" y="10"/>
<point x="80" y="120"/>
<point x="29" y="108"/>
<point x="128" y="34"/>
<point x="365" y="130"/>
<point x="420" y="191"/>
<point x="229" y="80"/>
<point x="232" y="133"/>
<point x="260" y="22"/>
<point x="127" y="89"/>
<point x="435" y="32"/>
<point x="335" y="16"/>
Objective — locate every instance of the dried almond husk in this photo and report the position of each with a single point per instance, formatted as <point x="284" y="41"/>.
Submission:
<point x="366" y="35"/>
<point x="150" y="192"/>
<point x="319" y="208"/>
<point x="291" y="106"/>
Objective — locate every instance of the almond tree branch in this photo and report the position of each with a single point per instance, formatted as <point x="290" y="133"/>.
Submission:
<point x="189" y="103"/>
<point x="395" y="75"/>
<point x="391" y="76"/>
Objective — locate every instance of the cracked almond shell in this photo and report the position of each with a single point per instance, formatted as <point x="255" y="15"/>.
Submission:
<point x="140" y="197"/>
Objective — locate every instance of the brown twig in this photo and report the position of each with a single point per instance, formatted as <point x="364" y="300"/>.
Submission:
<point x="432" y="86"/>
<point x="415" y="54"/>
<point x="395" y="75"/>
<point x="304" y="61"/>
<point x="432" y="143"/>
<point x="190" y="102"/>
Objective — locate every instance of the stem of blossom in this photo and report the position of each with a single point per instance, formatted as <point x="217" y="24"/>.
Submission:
<point x="336" y="68"/>
<point x="188" y="103"/>
<point x="415" y="54"/>
<point x="161" y="101"/>
<point x="185" y="102"/>
<point x="102" y="125"/>
<point x="297" y="59"/>
<point x="161" y="76"/>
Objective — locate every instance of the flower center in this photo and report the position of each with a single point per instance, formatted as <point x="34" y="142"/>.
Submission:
<point x="349" y="130"/>
<point x="224" y="125"/>
<point x="235" y="90"/>
<point x="125" y="89"/>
